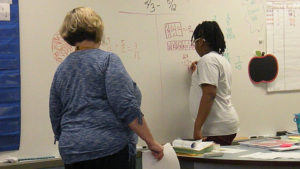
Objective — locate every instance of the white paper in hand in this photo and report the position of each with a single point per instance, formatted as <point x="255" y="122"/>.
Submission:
<point x="169" y="161"/>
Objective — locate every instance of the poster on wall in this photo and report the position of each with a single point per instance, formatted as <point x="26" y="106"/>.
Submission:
<point x="283" y="34"/>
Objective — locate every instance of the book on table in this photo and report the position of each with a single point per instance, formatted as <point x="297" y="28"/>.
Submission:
<point x="196" y="147"/>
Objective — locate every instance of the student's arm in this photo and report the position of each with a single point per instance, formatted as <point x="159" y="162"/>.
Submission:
<point x="208" y="96"/>
<point x="143" y="131"/>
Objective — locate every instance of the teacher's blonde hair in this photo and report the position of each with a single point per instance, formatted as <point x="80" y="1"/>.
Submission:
<point x="81" y="24"/>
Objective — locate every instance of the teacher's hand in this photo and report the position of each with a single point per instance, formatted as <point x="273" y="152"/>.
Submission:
<point x="157" y="150"/>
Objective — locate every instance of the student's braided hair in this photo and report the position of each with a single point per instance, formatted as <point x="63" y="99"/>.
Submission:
<point x="211" y="32"/>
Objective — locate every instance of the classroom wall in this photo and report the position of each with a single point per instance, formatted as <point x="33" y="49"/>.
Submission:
<point x="142" y="33"/>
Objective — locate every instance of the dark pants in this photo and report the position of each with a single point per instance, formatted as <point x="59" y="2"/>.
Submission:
<point x="120" y="160"/>
<point x="222" y="140"/>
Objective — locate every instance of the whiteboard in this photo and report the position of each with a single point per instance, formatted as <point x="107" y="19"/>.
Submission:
<point x="153" y="47"/>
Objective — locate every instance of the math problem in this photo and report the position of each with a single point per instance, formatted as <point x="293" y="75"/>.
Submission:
<point x="153" y="6"/>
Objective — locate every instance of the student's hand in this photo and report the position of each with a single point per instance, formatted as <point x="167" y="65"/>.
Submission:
<point x="193" y="66"/>
<point x="198" y="135"/>
<point x="157" y="150"/>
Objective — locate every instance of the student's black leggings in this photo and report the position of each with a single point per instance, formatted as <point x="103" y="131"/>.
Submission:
<point x="120" y="160"/>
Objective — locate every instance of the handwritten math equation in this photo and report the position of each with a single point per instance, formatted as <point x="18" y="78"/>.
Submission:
<point x="153" y="5"/>
<point x="254" y="10"/>
<point x="186" y="60"/>
<point x="175" y="36"/>
<point x="60" y="48"/>
<point x="175" y="29"/>
<point x="125" y="47"/>
<point x="229" y="31"/>
<point x="236" y="61"/>
<point x="229" y="35"/>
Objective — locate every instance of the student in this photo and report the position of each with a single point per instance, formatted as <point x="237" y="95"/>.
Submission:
<point x="210" y="92"/>
<point x="94" y="103"/>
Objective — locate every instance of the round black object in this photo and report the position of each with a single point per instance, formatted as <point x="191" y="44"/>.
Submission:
<point x="263" y="68"/>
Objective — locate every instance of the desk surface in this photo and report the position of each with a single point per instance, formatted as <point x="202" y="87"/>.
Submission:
<point x="55" y="163"/>
<point x="236" y="159"/>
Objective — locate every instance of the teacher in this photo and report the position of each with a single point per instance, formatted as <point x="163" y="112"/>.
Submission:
<point x="94" y="104"/>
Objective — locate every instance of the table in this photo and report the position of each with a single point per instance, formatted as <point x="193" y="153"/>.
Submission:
<point x="234" y="161"/>
<point x="228" y="161"/>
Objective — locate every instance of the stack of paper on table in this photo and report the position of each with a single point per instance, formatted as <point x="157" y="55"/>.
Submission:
<point x="192" y="147"/>
<point x="294" y="147"/>
<point x="294" y="138"/>
<point x="266" y="143"/>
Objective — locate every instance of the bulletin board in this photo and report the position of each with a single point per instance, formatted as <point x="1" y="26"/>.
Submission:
<point x="10" y="119"/>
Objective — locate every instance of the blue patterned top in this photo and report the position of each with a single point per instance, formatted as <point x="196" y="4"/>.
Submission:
<point x="92" y="101"/>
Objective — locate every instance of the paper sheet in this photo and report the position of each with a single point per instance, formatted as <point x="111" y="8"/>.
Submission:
<point x="273" y="155"/>
<point x="282" y="18"/>
<point x="169" y="161"/>
<point x="4" y="12"/>
<point x="231" y="150"/>
<point x="285" y="148"/>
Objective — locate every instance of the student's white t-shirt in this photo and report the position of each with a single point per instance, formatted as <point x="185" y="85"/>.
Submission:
<point x="214" y="69"/>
